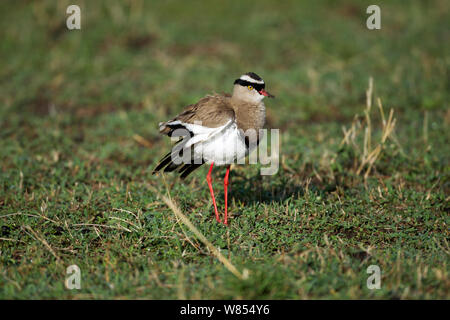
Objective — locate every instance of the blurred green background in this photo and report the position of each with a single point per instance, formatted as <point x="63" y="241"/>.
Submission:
<point x="78" y="139"/>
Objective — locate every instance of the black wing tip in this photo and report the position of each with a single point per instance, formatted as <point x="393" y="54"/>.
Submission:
<point x="188" y="169"/>
<point x="183" y="169"/>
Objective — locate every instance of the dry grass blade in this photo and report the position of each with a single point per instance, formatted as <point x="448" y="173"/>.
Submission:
<point x="126" y="221"/>
<point x="45" y="243"/>
<point x="98" y="225"/>
<point x="201" y="237"/>
<point x="9" y="239"/>
<point x="368" y="135"/>
<point x="28" y="215"/>
<point x="371" y="149"/>
<point x="142" y="141"/>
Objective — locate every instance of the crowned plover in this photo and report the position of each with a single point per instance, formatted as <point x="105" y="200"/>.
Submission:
<point x="218" y="129"/>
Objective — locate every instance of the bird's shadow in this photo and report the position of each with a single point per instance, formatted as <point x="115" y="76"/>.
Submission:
<point x="265" y="189"/>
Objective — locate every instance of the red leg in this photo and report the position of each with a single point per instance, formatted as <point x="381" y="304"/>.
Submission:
<point x="209" y="180"/>
<point x="225" y="183"/>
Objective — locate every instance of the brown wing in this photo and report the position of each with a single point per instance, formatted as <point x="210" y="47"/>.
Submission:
<point x="210" y="111"/>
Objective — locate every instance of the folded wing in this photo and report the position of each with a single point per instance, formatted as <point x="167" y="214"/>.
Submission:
<point x="196" y="124"/>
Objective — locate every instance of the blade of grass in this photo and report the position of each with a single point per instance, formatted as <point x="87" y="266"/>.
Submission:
<point x="171" y="204"/>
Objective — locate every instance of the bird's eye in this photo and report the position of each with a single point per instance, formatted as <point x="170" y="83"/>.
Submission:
<point x="250" y="87"/>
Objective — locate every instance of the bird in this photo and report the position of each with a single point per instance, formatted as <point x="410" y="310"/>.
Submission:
<point x="214" y="131"/>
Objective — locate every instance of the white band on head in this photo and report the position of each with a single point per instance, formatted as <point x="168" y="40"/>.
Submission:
<point x="249" y="79"/>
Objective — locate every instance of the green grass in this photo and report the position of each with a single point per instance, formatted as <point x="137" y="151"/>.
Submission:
<point x="71" y="104"/>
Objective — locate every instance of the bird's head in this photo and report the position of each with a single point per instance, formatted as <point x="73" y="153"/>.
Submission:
<point x="250" y="88"/>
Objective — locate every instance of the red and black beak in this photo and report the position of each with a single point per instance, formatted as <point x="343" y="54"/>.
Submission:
<point x="266" y="94"/>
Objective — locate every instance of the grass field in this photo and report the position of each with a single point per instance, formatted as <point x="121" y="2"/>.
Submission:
<point x="78" y="141"/>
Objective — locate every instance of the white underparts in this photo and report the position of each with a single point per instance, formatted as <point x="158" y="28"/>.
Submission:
<point x="222" y="145"/>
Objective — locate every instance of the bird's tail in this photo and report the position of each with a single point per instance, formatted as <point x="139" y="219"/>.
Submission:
<point x="173" y="161"/>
